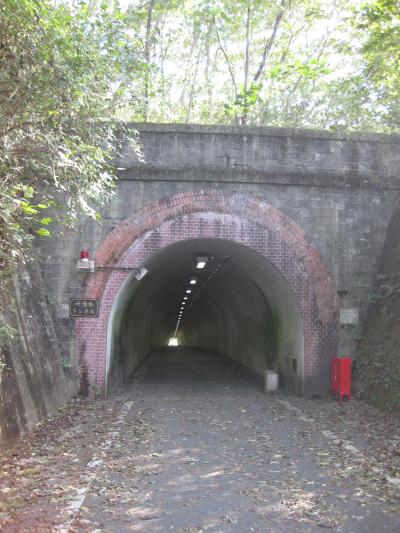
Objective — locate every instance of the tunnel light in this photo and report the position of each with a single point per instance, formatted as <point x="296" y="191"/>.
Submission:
<point x="193" y="280"/>
<point x="141" y="273"/>
<point x="185" y="297"/>
<point x="201" y="262"/>
<point x="188" y="291"/>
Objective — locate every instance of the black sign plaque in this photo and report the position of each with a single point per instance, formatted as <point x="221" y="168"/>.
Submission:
<point x="83" y="307"/>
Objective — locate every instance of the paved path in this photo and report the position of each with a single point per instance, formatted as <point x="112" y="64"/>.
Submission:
<point x="193" y="444"/>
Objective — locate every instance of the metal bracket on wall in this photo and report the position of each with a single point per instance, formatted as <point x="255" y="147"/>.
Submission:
<point x="140" y="272"/>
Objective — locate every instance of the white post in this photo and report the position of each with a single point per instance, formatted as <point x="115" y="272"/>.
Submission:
<point x="270" y="381"/>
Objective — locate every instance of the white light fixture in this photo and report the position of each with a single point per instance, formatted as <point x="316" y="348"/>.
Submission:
<point x="188" y="291"/>
<point x="193" y="281"/>
<point x="185" y="297"/>
<point x="141" y="273"/>
<point x="201" y="262"/>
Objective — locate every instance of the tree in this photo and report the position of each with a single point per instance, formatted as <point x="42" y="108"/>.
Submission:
<point x="304" y="63"/>
<point x="64" y="74"/>
<point x="378" y="24"/>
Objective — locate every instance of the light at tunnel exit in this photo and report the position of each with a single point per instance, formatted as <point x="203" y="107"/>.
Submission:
<point x="173" y="341"/>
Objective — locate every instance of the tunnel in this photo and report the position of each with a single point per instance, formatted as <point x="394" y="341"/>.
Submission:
<point x="211" y="294"/>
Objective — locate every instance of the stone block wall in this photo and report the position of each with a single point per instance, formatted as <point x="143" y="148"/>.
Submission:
<point x="340" y="190"/>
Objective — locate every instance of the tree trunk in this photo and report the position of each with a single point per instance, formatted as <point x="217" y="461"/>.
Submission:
<point x="147" y="48"/>
<point x="247" y="54"/>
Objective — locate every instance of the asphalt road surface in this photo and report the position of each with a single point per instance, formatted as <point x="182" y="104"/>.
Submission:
<point x="192" y="444"/>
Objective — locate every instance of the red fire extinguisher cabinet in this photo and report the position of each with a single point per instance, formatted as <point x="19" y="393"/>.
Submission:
<point x="341" y="376"/>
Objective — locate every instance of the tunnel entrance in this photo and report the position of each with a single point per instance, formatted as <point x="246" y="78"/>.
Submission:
<point x="263" y="297"/>
<point x="211" y="294"/>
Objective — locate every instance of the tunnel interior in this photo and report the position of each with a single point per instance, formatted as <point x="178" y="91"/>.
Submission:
<point x="239" y="305"/>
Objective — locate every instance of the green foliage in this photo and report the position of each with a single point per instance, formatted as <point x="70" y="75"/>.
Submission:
<point x="68" y="68"/>
<point x="378" y="22"/>
<point x="66" y="364"/>
<point x="244" y="101"/>
<point x="328" y="64"/>
<point x="64" y="74"/>
<point x="7" y="334"/>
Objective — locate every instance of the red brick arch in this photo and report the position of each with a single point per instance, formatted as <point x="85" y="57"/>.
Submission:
<point x="246" y="220"/>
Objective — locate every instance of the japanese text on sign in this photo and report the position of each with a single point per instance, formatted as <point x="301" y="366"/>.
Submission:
<point x="84" y="307"/>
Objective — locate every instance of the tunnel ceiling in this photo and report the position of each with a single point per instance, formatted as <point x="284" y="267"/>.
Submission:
<point x="229" y="266"/>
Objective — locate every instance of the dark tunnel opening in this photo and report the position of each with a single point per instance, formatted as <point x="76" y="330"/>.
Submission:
<point x="239" y="305"/>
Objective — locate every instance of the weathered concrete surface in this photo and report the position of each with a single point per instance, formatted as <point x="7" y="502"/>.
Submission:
<point x="33" y="380"/>
<point x="192" y="444"/>
<point x="261" y="155"/>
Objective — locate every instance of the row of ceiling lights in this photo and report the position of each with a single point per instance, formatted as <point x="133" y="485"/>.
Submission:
<point x="193" y="280"/>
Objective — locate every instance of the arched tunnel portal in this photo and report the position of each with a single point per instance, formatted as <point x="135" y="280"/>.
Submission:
<point x="263" y="297"/>
<point x="239" y="305"/>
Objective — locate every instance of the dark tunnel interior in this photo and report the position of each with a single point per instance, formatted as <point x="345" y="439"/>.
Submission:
<point x="239" y="305"/>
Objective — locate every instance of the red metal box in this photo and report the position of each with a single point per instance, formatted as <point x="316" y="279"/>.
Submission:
<point x="341" y="376"/>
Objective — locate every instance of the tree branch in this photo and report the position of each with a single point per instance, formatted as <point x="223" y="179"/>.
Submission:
<point x="268" y="45"/>
<point x="227" y="61"/>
